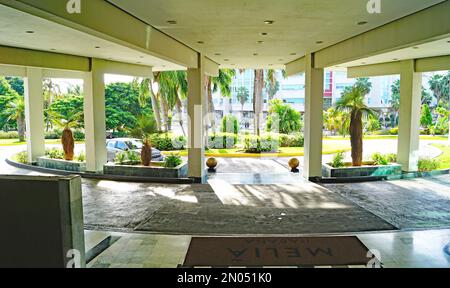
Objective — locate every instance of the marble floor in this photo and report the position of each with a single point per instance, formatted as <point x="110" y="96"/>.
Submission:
<point x="412" y="249"/>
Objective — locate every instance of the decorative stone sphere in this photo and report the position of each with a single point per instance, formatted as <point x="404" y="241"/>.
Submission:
<point x="294" y="163"/>
<point x="211" y="163"/>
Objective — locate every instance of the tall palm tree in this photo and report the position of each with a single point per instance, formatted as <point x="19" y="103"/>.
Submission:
<point x="51" y="91"/>
<point x="353" y="103"/>
<point x="146" y="126"/>
<point x="16" y="111"/>
<point x="242" y="96"/>
<point x="146" y="91"/>
<point x="258" y="99"/>
<point x="66" y="122"/>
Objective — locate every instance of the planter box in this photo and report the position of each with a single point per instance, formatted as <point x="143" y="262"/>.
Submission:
<point x="155" y="171"/>
<point x="363" y="171"/>
<point x="59" y="164"/>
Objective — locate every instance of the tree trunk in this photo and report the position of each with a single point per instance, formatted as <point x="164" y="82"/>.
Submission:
<point x="21" y="128"/>
<point x="146" y="153"/>
<point x="68" y="144"/>
<point x="180" y="115"/>
<point x="165" y="113"/>
<point x="356" y="138"/>
<point x="257" y="99"/>
<point x="156" y="110"/>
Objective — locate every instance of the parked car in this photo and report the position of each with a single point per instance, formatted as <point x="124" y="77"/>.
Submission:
<point x="118" y="145"/>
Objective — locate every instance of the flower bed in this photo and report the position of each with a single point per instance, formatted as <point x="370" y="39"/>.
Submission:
<point x="156" y="170"/>
<point x="59" y="164"/>
<point x="368" y="169"/>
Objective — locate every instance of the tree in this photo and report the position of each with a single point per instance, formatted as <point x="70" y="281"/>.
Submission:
<point x="258" y="99"/>
<point x="353" y="102"/>
<point x="336" y="121"/>
<point x="287" y="119"/>
<point x="364" y="85"/>
<point x="222" y="83"/>
<point x="67" y="105"/>
<point x="66" y="122"/>
<point x="7" y="95"/>
<point x="372" y="124"/>
<point x="272" y="83"/>
<point x="146" y="126"/>
<point x="439" y="85"/>
<point x="16" y="111"/>
<point x="16" y="84"/>
<point x="242" y="96"/>
<point x="426" y="119"/>
<point x="51" y="92"/>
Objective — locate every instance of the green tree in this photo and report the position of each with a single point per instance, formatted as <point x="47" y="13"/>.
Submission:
<point x="426" y="119"/>
<point x="283" y="116"/>
<point x="16" y="84"/>
<point x="67" y="122"/>
<point x="16" y="111"/>
<point x="353" y="103"/>
<point x="68" y="105"/>
<point x="242" y="96"/>
<point x="7" y="95"/>
<point x="145" y="127"/>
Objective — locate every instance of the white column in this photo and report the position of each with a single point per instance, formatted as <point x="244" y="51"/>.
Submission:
<point x="34" y="114"/>
<point x="409" y="118"/>
<point x="314" y="86"/>
<point x="196" y="147"/>
<point x="95" y="119"/>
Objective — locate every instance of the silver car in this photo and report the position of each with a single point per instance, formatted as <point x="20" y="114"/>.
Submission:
<point x="118" y="145"/>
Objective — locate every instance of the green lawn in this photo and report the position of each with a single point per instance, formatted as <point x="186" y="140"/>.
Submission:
<point x="444" y="159"/>
<point x="383" y="137"/>
<point x="15" y="142"/>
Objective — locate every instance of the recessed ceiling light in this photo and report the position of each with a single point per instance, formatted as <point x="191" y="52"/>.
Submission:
<point x="263" y="33"/>
<point x="415" y="47"/>
<point x="200" y="42"/>
<point x="269" y="22"/>
<point x="395" y="59"/>
<point x="226" y="60"/>
<point x="171" y="22"/>
<point x="448" y="41"/>
<point x="293" y="54"/>
<point x="255" y="54"/>
<point x="260" y="42"/>
<point x="53" y="49"/>
<point x="97" y="47"/>
<point x="362" y="23"/>
<point x="29" y="32"/>
<point x="363" y="63"/>
<point x="280" y="60"/>
<point x="217" y="54"/>
<point x="319" y="42"/>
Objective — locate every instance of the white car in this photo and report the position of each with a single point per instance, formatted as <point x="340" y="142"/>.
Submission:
<point x="118" y="145"/>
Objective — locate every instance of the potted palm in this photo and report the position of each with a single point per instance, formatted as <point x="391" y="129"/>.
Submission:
<point x="146" y="126"/>
<point x="66" y="122"/>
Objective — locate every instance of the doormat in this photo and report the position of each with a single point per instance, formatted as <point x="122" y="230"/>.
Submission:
<point x="278" y="252"/>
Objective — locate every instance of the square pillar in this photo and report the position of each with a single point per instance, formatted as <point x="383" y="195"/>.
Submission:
<point x="314" y="88"/>
<point x="34" y="114"/>
<point x="95" y="119"/>
<point x="196" y="111"/>
<point x="409" y="117"/>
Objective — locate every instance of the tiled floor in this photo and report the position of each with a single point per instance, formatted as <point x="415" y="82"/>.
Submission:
<point x="418" y="249"/>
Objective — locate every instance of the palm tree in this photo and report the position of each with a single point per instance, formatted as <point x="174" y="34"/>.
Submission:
<point x="51" y="91"/>
<point x="16" y="111"/>
<point x="258" y="99"/>
<point x="146" y="91"/>
<point x="242" y="96"/>
<point x="66" y="122"/>
<point x="353" y="102"/>
<point x="146" y="126"/>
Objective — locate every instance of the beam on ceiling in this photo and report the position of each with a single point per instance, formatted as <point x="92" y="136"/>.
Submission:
<point x="427" y="25"/>
<point x="119" y="68"/>
<point x="211" y="67"/>
<point x="296" y="67"/>
<point x="431" y="64"/>
<point x="101" y="19"/>
<point x="34" y="58"/>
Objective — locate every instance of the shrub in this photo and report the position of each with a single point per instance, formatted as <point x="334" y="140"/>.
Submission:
<point x="9" y="135"/>
<point x="393" y="131"/>
<point x="338" y="160"/>
<point x="230" y="124"/>
<point x="121" y="158"/>
<point x="172" y="161"/>
<point x="53" y="134"/>
<point x="264" y="143"/>
<point x="22" y="157"/>
<point x="283" y="118"/>
<point x="55" y="153"/>
<point x="391" y="157"/>
<point x="222" y="140"/>
<point x="166" y="142"/>
<point x="133" y="157"/>
<point x="380" y="159"/>
<point x="81" y="157"/>
<point x="78" y="135"/>
<point x="426" y="165"/>
<point x="292" y="140"/>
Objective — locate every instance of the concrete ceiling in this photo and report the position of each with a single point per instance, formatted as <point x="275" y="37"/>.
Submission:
<point x="49" y="36"/>
<point x="230" y="30"/>
<point x="430" y="49"/>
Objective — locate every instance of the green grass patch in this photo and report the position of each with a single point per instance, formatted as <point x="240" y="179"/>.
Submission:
<point x="444" y="159"/>
<point x="385" y="137"/>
